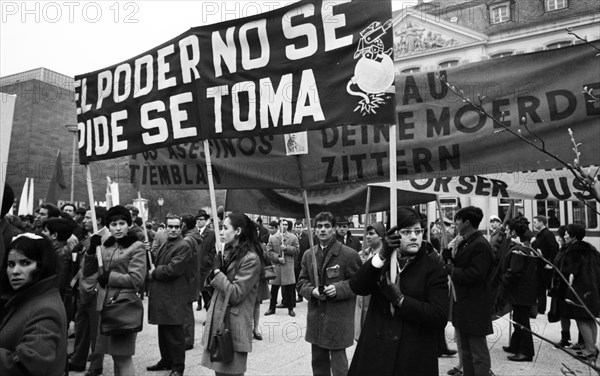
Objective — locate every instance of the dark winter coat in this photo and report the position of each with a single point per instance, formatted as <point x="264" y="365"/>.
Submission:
<point x="582" y="260"/>
<point x="350" y="241"/>
<point x="547" y="244"/>
<point x="167" y="302"/>
<point x="519" y="276"/>
<point x="206" y="257"/>
<point x="330" y="323"/>
<point x="63" y="266"/>
<point x="193" y="238"/>
<point x="471" y="313"/>
<point x="405" y="343"/>
<point x="33" y="329"/>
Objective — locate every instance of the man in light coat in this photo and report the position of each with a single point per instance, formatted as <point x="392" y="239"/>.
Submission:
<point x="282" y="249"/>
<point x="331" y="302"/>
<point x="168" y="299"/>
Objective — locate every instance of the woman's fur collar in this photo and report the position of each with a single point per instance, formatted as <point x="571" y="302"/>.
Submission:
<point x="124" y="242"/>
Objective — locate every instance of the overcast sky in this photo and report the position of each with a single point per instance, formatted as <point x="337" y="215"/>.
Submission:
<point x="75" y="37"/>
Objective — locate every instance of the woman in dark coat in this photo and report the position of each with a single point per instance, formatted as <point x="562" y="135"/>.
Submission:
<point x="399" y="336"/>
<point x="581" y="265"/>
<point x="124" y="270"/>
<point x="239" y="277"/>
<point x="33" y="322"/>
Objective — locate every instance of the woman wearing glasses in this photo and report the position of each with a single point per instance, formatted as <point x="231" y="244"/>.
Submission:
<point x="399" y="336"/>
<point x="33" y="322"/>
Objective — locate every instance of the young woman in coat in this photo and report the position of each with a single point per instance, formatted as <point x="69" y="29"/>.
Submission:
<point x="239" y="276"/>
<point x="400" y="332"/>
<point x="581" y="264"/>
<point x="33" y="322"/>
<point x="124" y="270"/>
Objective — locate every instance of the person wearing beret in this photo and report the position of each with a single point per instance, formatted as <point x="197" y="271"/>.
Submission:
<point x="123" y="270"/>
<point x="399" y="336"/>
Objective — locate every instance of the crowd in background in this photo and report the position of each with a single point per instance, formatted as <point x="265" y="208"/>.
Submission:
<point x="394" y="294"/>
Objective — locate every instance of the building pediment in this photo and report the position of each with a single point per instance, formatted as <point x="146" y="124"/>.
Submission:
<point x="421" y="33"/>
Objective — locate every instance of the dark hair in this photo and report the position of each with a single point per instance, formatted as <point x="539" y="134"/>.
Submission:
<point x="274" y="223"/>
<point x="541" y="218"/>
<point x="520" y="228"/>
<point x="298" y="223"/>
<point x="100" y="214"/>
<point x="189" y="220"/>
<point x="133" y="209"/>
<point x="7" y="200"/>
<point x="248" y="238"/>
<point x="561" y="231"/>
<point x="35" y="247"/>
<point x="80" y="211"/>
<point x="116" y="213"/>
<point x="325" y="217"/>
<point x="138" y="221"/>
<point x="53" y="210"/>
<point x="62" y="208"/>
<point x="470" y="213"/>
<point x="575" y="230"/>
<point x="62" y="227"/>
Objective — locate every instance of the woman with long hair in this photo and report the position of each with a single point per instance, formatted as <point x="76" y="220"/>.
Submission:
<point x="581" y="266"/>
<point x="123" y="272"/>
<point x="33" y="322"/>
<point x="237" y="278"/>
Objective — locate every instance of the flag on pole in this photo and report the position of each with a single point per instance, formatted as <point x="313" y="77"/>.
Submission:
<point x="23" y="200"/>
<point x="58" y="180"/>
<point x="30" y="197"/>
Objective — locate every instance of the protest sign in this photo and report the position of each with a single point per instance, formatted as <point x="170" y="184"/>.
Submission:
<point x="310" y="65"/>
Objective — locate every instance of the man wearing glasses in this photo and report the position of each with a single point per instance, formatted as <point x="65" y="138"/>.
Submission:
<point x="168" y="298"/>
<point x="330" y="318"/>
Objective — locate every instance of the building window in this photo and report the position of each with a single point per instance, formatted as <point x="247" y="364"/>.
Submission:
<point x="448" y="64"/>
<point x="556" y="5"/>
<point x="502" y="54"/>
<point x="551" y="210"/>
<point x="499" y="14"/>
<point x="554" y="46"/>
<point x="411" y="70"/>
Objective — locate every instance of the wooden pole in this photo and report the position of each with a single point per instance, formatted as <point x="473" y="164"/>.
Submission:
<point x="213" y="197"/>
<point x="393" y="195"/>
<point x="367" y="221"/>
<point x="310" y="238"/>
<point x="88" y="179"/>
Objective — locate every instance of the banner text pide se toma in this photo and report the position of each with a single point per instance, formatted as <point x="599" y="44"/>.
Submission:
<point x="310" y="65"/>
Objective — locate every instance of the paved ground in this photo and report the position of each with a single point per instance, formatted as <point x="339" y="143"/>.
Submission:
<point x="284" y="351"/>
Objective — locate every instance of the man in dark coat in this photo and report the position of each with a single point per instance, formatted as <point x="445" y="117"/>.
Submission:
<point x="331" y="303"/>
<point x="546" y="243"/>
<point x="304" y="244"/>
<point x="344" y="236"/>
<point x="520" y="286"/>
<point x="400" y="333"/>
<point x="192" y="237"/>
<point x="168" y="299"/>
<point x="206" y="257"/>
<point x="470" y="268"/>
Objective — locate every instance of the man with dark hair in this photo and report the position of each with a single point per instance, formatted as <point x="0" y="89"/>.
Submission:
<point x="7" y="229"/>
<point x="520" y="283"/>
<point x="546" y="244"/>
<point x="282" y="249"/>
<point x="303" y="245"/>
<point x="135" y="229"/>
<point x="59" y="230"/>
<point x="192" y="236"/>
<point x="79" y="215"/>
<point x="168" y="300"/>
<point x="206" y="257"/>
<point x="69" y="209"/>
<point x="331" y="302"/>
<point x="344" y="236"/>
<point x="87" y="316"/>
<point x="469" y="265"/>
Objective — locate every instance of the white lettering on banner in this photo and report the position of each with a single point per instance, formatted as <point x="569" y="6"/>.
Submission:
<point x="272" y="103"/>
<point x="189" y="63"/>
<point x="308" y="103"/>
<point x="224" y="51"/>
<point x="101" y="122"/>
<point x="178" y="116"/>
<point x="265" y="53"/>
<point x="141" y="63"/>
<point x="164" y="67"/>
<point x="104" y="87"/>
<point x="125" y="68"/>
<point x="332" y="22"/>
<point x="307" y="30"/>
<point x="159" y="123"/>
<point x="117" y="130"/>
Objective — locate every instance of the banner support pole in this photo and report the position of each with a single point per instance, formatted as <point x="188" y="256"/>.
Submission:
<point x="213" y="197"/>
<point x="88" y="175"/>
<point x="393" y="195"/>
<point x="310" y="238"/>
<point x="367" y="221"/>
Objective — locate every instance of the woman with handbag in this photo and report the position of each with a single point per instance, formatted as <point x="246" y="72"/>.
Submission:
<point x="227" y="336"/>
<point x="120" y="278"/>
<point x="33" y="322"/>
